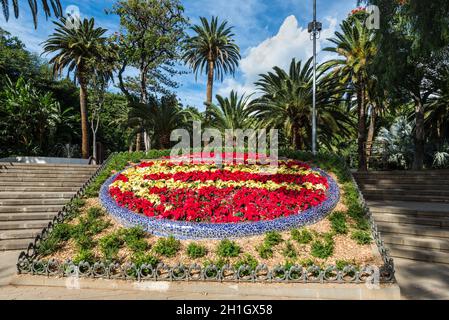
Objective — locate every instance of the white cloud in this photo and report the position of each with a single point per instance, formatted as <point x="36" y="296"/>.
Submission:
<point x="292" y="41"/>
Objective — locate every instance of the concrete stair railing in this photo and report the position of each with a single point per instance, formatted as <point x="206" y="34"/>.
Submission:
<point x="32" y="194"/>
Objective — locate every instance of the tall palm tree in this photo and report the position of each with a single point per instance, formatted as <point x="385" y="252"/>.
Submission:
<point x="159" y="118"/>
<point x="55" y="7"/>
<point x="212" y="50"/>
<point x="232" y="113"/>
<point x="75" y="48"/>
<point x="287" y="104"/>
<point x="355" y="44"/>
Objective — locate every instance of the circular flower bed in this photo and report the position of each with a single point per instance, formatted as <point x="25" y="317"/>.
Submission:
<point x="206" y="200"/>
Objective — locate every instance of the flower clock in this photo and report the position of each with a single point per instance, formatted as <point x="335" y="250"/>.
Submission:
<point x="209" y="200"/>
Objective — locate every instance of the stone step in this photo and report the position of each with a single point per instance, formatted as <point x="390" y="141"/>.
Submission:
<point x="406" y="187"/>
<point x="27" y="202"/>
<point x="32" y="180"/>
<point x="419" y="254"/>
<point x="30" y="224"/>
<point x="27" y="216"/>
<point x="53" y="175"/>
<point x="36" y="195"/>
<point x="419" y="242"/>
<point x="442" y="222"/>
<point x="416" y="209"/>
<point x="34" y="208"/>
<point x="407" y="229"/>
<point x="403" y="173"/>
<point x="19" y="234"/>
<point x="44" y="165"/>
<point x="70" y="184"/>
<point x="398" y="190"/>
<point x="15" y="244"/>
<point x="46" y="169"/>
<point x="405" y="197"/>
<point x="34" y="189"/>
<point x="425" y="182"/>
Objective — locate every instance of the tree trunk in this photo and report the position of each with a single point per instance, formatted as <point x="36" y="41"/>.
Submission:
<point x="138" y="141"/>
<point x="418" y="161"/>
<point x="296" y="137"/>
<point x="371" y="130"/>
<point x="361" y="139"/>
<point x="84" y="120"/>
<point x="210" y="84"/>
<point x="144" y="100"/>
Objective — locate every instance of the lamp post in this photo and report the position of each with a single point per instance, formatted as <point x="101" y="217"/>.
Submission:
<point x="314" y="29"/>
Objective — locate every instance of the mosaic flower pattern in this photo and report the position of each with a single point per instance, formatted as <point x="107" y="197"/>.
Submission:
<point x="228" y="193"/>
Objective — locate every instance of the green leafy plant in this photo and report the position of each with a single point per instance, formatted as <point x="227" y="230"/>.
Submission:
<point x="141" y="258"/>
<point x="323" y="248"/>
<point x="85" y="255"/>
<point x="265" y="252"/>
<point x="228" y="249"/>
<point x="134" y="239"/>
<point x="196" y="251"/>
<point x="247" y="260"/>
<point x="273" y="238"/>
<point x="302" y="236"/>
<point x="167" y="247"/>
<point x="289" y="250"/>
<point x="110" y="246"/>
<point x="338" y="222"/>
<point x="361" y="237"/>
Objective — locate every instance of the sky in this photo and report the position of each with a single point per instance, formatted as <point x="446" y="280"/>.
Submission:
<point x="269" y="33"/>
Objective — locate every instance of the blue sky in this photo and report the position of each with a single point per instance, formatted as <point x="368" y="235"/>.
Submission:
<point x="269" y="33"/>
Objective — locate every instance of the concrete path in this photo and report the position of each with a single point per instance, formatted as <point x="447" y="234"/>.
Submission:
<point x="420" y="280"/>
<point x="8" y="260"/>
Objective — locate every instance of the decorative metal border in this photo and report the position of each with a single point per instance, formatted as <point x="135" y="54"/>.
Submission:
<point x="195" y="272"/>
<point x="29" y="264"/>
<point x="185" y="230"/>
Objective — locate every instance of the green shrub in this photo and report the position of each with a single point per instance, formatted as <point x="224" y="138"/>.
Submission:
<point x="362" y="224"/>
<point x="196" y="251"/>
<point x="228" y="249"/>
<point x="141" y="258"/>
<point x="110" y="246"/>
<point x="98" y="226"/>
<point x="302" y="236"/>
<point x="341" y="264"/>
<point x="48" y="246"/>
<point x="62" y="231"/>
<point x="338" y="222"/>
<point x="167" y="247"/>
<point x="361" y="237"/>
<point x="84" y="241"/>
<point x="273" y="238"/>
<point x="265" y="252"/>
<point x="305" y="263"/>
<point x="85" y="255"/>
<point x="248" y="260"/>
<point x="289" y="250"/>
<point x="323" y="249"/>
<point x="135" y="239"/>
<point x="95" y="213"/>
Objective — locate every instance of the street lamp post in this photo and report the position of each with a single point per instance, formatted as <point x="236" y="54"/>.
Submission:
<point x="314" y="29"/>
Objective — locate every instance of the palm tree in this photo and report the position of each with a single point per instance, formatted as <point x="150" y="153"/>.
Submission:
<point x="287" y="104"/>
<point x="232" y="112"/>
<point x="159" y="118"/>
<point x="212" y="50"/>
<point x="356" y="45"/>
<point x="55" y="7"/>
<point x="75" y="49"/>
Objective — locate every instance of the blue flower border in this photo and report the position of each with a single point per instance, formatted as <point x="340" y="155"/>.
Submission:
<point x="184" y="230"/>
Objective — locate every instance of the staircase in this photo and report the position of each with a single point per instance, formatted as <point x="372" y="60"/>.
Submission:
<point x="31" y="195"/>
<point x="411" y="209"/>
